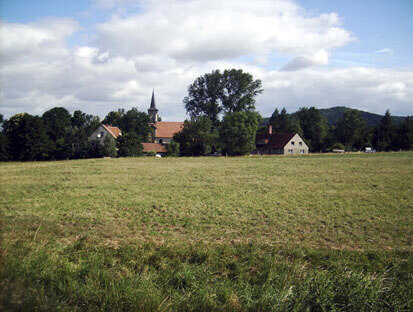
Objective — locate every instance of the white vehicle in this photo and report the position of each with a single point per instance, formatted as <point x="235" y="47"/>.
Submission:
<point x="369" y="150"/>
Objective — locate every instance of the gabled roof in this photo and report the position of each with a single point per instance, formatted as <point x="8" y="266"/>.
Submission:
<point x="167" y="129"/>
<point x="275" y="140"/>
<point x="114" y="131"/>
<point x="158" y="148"/>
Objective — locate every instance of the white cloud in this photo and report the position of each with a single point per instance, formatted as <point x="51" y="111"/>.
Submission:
<point x="384" y="51"/>
<point x="44" y="41"/>
<point x="171" y="42"/>
<point x="201" y="31"/>
<point x="300" y="62"/>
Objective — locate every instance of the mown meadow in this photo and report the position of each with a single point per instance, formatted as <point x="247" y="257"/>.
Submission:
<point x="271" y="233"/>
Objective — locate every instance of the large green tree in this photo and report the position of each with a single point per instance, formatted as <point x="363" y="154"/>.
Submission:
<point x="132" y="121"/>
<point x="404" y="135"/>
<point x="284" y="123"/>
<point x="129" y="144"/>
<point x="109" y="147"/>
<point x="237" y="133"/>
<point x="58" y="124"/>
<point x="197" y="138"/>
<point x="314" y="127"/>
<point x="204" y="96"/>
<point x="239" y="91"/>
<point x="4" y="142"/>
<point x="27" y="137"/>
<point x="216" y="92"/>
<point x="83" y="125"/>
<point x="385" y="133"/>
<point x="114" y="118"/>
<point x="351" y="129"/>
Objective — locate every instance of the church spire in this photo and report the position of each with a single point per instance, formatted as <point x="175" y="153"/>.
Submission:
<point x="153" y="111"/>
<point x="153" y="99"/>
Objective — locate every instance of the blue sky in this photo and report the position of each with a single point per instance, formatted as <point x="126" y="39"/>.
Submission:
<point x="101" y="55"/>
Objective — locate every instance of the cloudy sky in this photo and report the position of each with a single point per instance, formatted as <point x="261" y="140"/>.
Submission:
<point x="101" y="55"/>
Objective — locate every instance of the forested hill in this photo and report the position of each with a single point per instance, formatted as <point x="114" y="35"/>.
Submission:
<point x="333" y="114"/>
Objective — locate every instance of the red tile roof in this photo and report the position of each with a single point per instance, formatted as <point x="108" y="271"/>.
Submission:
<point x="275" y="140"/>
<point x="158" y="148"/>
<point x="167" y="129"/>
<point x="114" y="131"/>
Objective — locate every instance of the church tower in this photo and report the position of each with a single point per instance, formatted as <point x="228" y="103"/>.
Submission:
<point x="153" y="111"/>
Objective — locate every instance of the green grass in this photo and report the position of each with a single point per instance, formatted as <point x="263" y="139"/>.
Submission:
<point x="311" y="233"/>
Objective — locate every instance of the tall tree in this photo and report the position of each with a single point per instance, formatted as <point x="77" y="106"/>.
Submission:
<point x="204" y="96"/>
<point x="109" y="147"/>
<point x="27" y="138"/>
<point x="284" y="123"/>
<point x="404" y="135"/>
<point x="239" y="91"/>
<point x="385" y="133"/>
<point x="137" y="122"/>
<point x="114" y="118"/>
<point x="4" y="143"/>
<point x="237" y="133"/>
<point x="197" y="138"/>
<point x="83" y="125"/>
<point x="216" y="92"/>
<point x="314" y="127"/>
<point x="351" y="129"/>
<point x="58" y="124"/>
<point x="129" y="144"/>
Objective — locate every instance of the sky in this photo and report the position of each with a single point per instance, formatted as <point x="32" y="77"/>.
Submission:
<point x="101" y="55"/>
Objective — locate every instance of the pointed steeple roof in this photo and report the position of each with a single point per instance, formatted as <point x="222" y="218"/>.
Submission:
<point x="153" y="105"/>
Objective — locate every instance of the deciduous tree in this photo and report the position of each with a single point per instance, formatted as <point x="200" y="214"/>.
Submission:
<point x="237" y="133"/>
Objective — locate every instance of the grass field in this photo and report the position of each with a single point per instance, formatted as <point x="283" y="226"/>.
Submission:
<point x="310" y="233"/>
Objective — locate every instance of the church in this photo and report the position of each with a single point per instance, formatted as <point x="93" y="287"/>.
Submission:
<point x="161" y="134"/>
<point x="163" y="131"/>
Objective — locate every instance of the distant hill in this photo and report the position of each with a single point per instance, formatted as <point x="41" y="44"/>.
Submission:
<point x="333" y="114"/>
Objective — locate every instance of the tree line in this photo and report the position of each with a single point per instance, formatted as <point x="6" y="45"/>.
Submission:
<point x="222" y="119"/>
<point x="59" y="135"/>
<point x="350" y="133"/>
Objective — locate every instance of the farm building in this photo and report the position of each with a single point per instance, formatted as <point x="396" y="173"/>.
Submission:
<point x="280" y="143"/>
<point x="102" y="131"/>
<point x="163" y="131"/>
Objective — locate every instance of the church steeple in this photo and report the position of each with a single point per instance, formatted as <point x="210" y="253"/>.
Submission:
<point x="153" y="111"/>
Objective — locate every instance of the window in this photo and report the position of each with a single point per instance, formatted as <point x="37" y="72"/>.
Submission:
<point x="101" y="134"/>
<point x="300" y="143"/>
<point x="292" y="143"/>
<point x="290" y="151"/>
<point x="301" y="151"/>
<point x="160" y="141"/>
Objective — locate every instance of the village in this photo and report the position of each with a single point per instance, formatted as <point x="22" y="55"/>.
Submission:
<point x="163" y="132"/>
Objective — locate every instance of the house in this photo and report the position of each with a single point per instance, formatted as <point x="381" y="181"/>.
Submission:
<point x="163" y="131"/>
<point x="102" y="131"/>
<point x="280" y="143"/>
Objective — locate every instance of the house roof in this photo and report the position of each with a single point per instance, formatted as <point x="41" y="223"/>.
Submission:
<point x="167" y="129"/>
<point x="114" y="131"/>
<point x="158" y="148"/>
<point x="275" y="140"/>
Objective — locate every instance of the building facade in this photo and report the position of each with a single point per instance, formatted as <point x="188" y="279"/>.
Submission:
<point x="102" y="131"/>
<point x="280" y="143"/>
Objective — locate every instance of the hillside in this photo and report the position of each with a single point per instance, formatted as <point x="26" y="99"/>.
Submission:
<point x="333" y="114"/>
